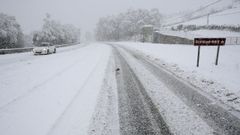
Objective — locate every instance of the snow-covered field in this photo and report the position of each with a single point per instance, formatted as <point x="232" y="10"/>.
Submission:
<point x="51" y="94"/>
<point x="222" y="81"/>
<point x="228" y="17"/>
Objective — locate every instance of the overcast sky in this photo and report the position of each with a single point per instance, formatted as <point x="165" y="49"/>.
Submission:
<point x="85" y="13"/>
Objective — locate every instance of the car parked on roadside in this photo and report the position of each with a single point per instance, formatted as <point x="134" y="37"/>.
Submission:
<point x="44" y="48"/>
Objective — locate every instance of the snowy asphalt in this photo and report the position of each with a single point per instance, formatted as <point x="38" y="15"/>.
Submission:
<point x="104" y="89"/>
<point x="138" y="114"/>
<point x="215" y="114"/>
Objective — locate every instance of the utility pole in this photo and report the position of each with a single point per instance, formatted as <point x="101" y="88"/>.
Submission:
<point x="208" y="19"/>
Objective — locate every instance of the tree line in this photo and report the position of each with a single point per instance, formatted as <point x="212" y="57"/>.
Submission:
<point x="126" y="25"/>
<point x="11" y="35"/>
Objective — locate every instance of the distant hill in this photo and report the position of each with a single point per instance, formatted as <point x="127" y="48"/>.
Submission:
<point x="220" y="12"/>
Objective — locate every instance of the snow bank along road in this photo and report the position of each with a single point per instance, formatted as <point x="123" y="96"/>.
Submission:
<point x="103" y="89"/>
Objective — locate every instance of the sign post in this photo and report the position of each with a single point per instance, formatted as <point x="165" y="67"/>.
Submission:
<point x="209" y="42"/>
<point x="218" y="49"/>
<point x="198" y="56"/>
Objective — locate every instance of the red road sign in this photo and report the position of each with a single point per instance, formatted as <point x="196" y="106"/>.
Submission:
<point x="209" y="41"/>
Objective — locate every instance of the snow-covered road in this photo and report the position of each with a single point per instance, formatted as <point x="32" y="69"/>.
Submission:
<point x="201" y="110"/>
<point x="40" y="93"/>
<point x="103" y="89"/>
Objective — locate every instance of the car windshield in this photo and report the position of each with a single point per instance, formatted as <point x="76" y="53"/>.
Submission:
<point x="45" y="44"/>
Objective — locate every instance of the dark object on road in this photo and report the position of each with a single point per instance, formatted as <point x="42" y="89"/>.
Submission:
<point x="138" y="115"/>
<point x="118" y="69"/>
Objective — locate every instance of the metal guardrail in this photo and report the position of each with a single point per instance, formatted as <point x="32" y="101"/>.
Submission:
<point x="28" y="49"/>
<point x="15" y="50"/>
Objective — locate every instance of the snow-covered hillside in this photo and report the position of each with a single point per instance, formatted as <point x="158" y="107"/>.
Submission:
<point x="220" y="11"/>
<point x="228" y="17"/>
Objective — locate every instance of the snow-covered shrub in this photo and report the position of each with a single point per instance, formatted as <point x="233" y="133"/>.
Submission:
<point x="11" y="35"/>
<point x="56" y="33"/>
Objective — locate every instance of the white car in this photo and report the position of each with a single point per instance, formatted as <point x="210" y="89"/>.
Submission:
<point x="44" y="48"/>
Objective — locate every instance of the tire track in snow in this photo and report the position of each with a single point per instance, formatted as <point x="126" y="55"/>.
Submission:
<point x="36" y="87"/>
<point x="137" y="112"/>
<point x="61" y="116"/>
<point x="216" y="115"/>
<point x="105" y="120"/>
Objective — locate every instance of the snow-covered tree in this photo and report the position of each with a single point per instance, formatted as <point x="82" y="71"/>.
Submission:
<point x="28" y="40"/>
<point x="11" y="35"/>
<point x="127" y="26"/>
<point x="56" y="33"/>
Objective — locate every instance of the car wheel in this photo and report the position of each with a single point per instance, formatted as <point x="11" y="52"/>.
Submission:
<point x="47" y="51"/>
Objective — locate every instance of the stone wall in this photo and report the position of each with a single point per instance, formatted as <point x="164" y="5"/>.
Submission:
<point x="167" y="39"/>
